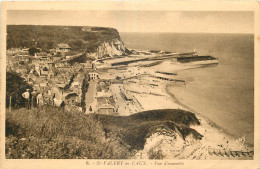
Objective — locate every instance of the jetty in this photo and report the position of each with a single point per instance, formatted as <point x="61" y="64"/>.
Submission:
<point x="195" y="58"/>
<point x="179" y="57"/>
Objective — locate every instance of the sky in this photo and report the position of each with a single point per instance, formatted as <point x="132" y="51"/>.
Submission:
<point x="141" y="21"/>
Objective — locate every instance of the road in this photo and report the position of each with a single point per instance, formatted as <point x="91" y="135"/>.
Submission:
<point x="90" y="96"/>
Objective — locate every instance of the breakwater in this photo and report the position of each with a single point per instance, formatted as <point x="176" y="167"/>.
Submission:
<point x="195" y="58"/>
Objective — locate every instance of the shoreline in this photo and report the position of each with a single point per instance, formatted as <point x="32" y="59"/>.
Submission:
<point x="211" y="123"/>
<point x="214" y="138"/>
<point x="201" y="116"/>
<point x="149" y="97"/>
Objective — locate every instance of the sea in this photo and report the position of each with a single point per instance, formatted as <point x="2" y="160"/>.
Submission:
<point x="223" y="93"/>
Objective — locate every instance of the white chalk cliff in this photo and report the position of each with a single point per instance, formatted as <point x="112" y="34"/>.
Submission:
<point x="114" y="47"/>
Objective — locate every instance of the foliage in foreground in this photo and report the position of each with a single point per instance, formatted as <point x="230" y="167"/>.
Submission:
<point x="50" y="132"/>
<point x="15" y="86"/>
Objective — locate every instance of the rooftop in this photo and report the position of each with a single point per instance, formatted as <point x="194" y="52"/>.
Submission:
<point x="63" y="45"/>
<point x="106" y="106"/>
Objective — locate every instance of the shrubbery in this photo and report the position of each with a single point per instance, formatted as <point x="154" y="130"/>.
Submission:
<point x="155" y="154"/>
<point x="77" y="44"/>
<point x="51" y="132"/>
<point x="15" y="86"/>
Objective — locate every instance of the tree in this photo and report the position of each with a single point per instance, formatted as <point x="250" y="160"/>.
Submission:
<point x="15" y="86"/>
<point x="77" y="44"/>
<point x="33" y="50"/>
<point x="58" y="54"/>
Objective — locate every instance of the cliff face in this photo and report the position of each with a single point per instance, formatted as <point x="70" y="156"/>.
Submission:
<point x="95" y="42"/>
<point x="114" y="47"/>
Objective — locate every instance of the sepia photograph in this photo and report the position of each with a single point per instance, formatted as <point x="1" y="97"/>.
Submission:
<point x="129" y="84"/>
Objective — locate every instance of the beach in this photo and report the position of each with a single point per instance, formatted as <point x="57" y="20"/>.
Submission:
<point x="150" y="92"/>
<point x="179" y="96"/>
<point x="222" y="93"/>
<point x="219" y="92"/>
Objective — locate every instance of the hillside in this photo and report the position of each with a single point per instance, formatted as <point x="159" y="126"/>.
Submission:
<point x="50" y="132"/>
<point x="133" y="130"/>
<point x="86" y="39"/>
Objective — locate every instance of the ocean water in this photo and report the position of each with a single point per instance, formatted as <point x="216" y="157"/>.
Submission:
<point x="224" y="93"/>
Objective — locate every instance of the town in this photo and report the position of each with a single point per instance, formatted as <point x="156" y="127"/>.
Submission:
<point x="58" y="83"/>
<point x="55" y="81"/>
<point x="107" y="86"/>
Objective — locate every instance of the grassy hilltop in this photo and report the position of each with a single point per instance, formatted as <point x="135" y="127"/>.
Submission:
<point x="134" y="129"/>
<point x="50" y="132"/>
<point x="47" y="37"/>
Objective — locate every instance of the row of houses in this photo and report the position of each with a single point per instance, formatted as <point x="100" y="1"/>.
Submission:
<point x="53" y="95"/>
<point x="62" y="47"/>
<point x="53" y="91"/>
<point x="22" y="55"/>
